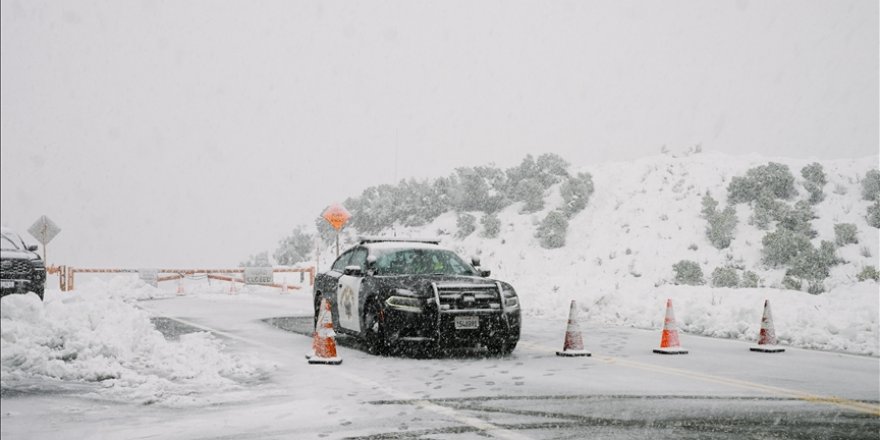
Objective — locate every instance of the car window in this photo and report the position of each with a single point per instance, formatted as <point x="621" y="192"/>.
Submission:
<point x="342" y="261"/>
<point x="9" y="243"/>
<point x="420" y="262"/>
<point x="358" y="258"/>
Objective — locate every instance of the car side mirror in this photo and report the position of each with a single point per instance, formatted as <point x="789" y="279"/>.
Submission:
<point x="353" y="271"/>
<point x="475" y="260"/>
<point x="32" y="248"/>
<point x="485" y="273"/>
<point x="371" y="265"/>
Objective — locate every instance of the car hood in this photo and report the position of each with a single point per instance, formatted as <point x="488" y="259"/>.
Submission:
<point x="9" y="254"/>
<point x="420" y="285"/>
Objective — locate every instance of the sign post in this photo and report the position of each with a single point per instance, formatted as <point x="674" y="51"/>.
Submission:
<point x="44" y="230"/>
<point x="337" y="216"/>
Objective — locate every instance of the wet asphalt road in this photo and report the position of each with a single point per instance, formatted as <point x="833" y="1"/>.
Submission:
<point x="625" y="416"/>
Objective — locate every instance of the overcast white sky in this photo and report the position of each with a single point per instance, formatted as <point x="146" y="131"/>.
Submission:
<point x="167" y="133"/>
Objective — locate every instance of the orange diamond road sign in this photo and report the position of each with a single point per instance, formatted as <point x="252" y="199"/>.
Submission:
<point x="336" y="215"/>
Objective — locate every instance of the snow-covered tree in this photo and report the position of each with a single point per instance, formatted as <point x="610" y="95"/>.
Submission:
<point x="491" y="225"/>
<point x="552" y="230"/>
<point x="294" y="248"/>
<point x="576" y="192"/>
<point x="725" y="277"/>
<point x="531" y="193"/>
<point x="871" y="185"/>
<point x="688" y="272"/>
<point x="845" y="233"/>
<point x="466" y="224"/>
<point x="260" y="259"/>
<point x="773" y="177"/>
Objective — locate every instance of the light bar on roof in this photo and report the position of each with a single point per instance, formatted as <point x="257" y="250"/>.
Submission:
<point x="364" y="240"/>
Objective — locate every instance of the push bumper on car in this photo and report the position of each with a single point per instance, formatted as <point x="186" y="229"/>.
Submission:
<point x="426" y="320"/>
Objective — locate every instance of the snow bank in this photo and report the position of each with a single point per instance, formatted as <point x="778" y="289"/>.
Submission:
<point x="95" y="337"/>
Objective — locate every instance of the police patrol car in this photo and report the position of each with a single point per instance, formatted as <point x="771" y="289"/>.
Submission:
<point x="393" y="293"/>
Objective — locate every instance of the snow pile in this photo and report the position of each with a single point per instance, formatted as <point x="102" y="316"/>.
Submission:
<point x="645" y="216"/>
<point x="92" y="336"/>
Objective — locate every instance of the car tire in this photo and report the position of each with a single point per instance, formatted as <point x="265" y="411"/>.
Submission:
<point x="374" y="329"/>
<point x="501" y="347"/>
<point x="318" y="298"/>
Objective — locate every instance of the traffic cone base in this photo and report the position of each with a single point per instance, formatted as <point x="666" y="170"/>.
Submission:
<point x="573" y="353"/>
<point x="573" y="346"/>
<point x="767" y="348"/>
<point x="670" y="350"/>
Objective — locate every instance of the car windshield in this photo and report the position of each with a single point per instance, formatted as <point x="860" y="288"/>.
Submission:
<point x="421" y="262"/>
<point x="9" y="243"/>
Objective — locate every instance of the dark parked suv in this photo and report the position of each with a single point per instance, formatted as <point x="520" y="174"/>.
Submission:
<point x="21" y="269"/>
<point x="395" y="293"/>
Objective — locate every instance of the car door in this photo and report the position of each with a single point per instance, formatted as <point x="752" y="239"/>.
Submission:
<point x="348" y="293"/>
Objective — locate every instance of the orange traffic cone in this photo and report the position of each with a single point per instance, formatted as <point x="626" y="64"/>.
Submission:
<point x="669" y="340"/>
<point x="324" y="339"/>
<point x="180" y="290"/>
<point x="232" y="288"/>
<point x="767" y="338"/>
<point x="574" y="342"/>
<point x="284" y="287"/>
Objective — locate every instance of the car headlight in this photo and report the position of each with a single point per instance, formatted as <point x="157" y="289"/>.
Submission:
<point x="511" y="301"/>
<point x="405" y="303"/>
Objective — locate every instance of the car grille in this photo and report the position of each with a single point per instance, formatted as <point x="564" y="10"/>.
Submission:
<point x="15" y="269"/>
<point x="467" y="297"/>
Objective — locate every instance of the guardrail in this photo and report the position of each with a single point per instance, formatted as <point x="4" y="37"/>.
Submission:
<point x="67" y="274"/>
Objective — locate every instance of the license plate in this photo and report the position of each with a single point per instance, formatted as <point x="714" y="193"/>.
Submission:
<point x="7" y="284"/>
<point x="467" y="322"/>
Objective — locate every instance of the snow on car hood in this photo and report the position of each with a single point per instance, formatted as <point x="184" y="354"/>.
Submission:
<point x="10" y="254"/>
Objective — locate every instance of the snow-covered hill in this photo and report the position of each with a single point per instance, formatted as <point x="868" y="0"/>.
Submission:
<point x="643" y="217"/>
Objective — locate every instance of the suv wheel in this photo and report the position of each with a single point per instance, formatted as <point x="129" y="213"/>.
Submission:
<point x="501" y="346"/>
<point x="374" y="328"/>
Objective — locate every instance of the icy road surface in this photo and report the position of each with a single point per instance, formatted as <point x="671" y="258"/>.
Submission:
<point x="719" y="390"/>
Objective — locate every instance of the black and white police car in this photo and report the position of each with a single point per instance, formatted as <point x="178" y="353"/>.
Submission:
<point x="399" y="293"/>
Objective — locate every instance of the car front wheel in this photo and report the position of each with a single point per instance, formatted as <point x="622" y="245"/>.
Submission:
<point x="374" y="328"/>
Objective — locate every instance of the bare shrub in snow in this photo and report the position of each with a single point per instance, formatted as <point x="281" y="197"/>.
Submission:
<point x="552" y="230"/>
<point x="868" y="273"/>
<point x="845" y="233"/>
<point x="865" y="252"/>
<point x="871" y="185"/>
<point x="466" y="224"/>
<point x="491" y="225"/>
<point x="725" y="277"/>
<point x="773" y="177"/>
<point x="766" y="209"/>
<point x="688" y="272"/>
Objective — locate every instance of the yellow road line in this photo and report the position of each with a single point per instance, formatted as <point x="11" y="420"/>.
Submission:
<point x="854" y="405"/>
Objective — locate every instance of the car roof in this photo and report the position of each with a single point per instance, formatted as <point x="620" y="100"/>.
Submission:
<point x="400" y="244"/>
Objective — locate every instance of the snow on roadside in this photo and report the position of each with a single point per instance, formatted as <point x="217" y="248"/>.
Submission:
<point x="96" y="336"/>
